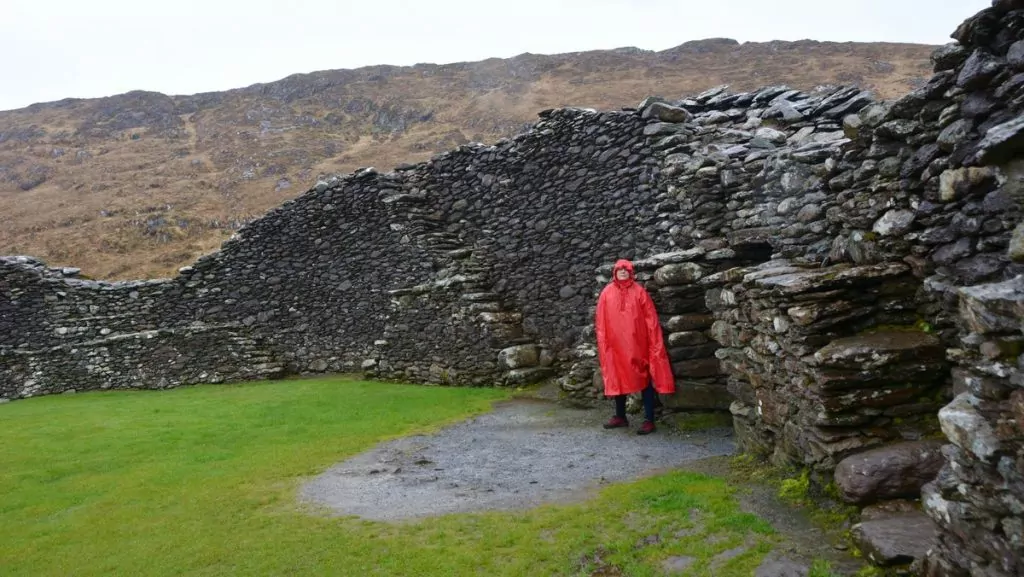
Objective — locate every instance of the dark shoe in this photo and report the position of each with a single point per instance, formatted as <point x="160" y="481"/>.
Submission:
<point x="646" y="429"/>
<point x="616" y="423"/>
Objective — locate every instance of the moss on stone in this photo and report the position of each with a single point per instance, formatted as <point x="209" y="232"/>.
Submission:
<point x="796" y="489"/>
<point x="821" y="568"/>
<point x="924" y="326"/>
<point x="802" y="489"/>
<point x="832" y="490"/>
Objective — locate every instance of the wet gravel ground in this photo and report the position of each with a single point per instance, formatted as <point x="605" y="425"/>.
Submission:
<point x="525" y="453"/>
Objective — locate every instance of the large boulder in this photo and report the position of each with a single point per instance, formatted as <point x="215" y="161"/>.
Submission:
<point x="889" y="472"/>
<point x="678" y="274"/>
<point x="519" y="357"/>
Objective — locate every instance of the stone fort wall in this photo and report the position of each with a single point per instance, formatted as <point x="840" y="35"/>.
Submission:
<point x="841" y="274"/>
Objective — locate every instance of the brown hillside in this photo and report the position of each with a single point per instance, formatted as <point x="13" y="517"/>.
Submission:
<point x="137" y="185"/>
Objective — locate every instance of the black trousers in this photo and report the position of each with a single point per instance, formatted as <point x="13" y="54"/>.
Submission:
<point x="648" y="395"/>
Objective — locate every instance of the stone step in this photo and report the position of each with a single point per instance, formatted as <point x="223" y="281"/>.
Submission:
<point x="441" y="235"/>
<point x="480" y="297"/>
<point x="527" y="376"/>
<point x="896" y="540"/>
<point x="460" y="253"/>
<point x="269" y="367"/>
<point x="836" y="382"/>
<point x="880" y="349"/>
<point x="689" y="353"/>
<point x="788" y="281"/>
<point x="697" y="368"/>
<point x="443" y="244"/>
<point x="466" y="282"/>
<point x="510" y="318"/>
<point x="419" y="226"/>
<point x="470" y="281"/>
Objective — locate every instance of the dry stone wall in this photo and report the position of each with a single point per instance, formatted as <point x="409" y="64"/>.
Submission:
<point x="476" y="267"/>
<point x="840" y="369"/>
<point x="472" y="268"/>
<point x="826" y="362"/>
<point x="977" y="499"/>
<point x="741" y="180"/>
<point x="842" y="274"/>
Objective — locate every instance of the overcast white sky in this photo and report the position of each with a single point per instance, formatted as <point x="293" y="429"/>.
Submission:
<point x="53" y="49"/>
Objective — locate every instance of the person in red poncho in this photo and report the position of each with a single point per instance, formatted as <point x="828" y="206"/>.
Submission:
<point x="630" y="347"/>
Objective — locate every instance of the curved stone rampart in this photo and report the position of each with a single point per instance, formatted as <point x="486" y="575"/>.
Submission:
<point x="842" y="274"/>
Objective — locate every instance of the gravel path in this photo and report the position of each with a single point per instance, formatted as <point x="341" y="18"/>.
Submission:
<point x="525" y="453"/>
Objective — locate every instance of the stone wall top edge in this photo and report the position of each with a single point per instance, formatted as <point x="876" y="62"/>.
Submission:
<point x="363" y="176"/>
<point x="69" y="276"/>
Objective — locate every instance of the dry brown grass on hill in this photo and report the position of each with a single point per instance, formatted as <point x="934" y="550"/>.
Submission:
<point x="140" y="184"/>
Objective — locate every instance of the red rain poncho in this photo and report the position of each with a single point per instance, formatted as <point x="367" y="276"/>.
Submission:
<point x="630" y="346"/>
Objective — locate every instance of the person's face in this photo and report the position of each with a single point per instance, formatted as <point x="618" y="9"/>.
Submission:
<point x="622" y="274"/>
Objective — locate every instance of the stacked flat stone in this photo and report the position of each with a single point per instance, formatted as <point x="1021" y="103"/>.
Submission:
<point x="82" y="335"/>
<point x="926" y="179"/>
<point x="736" y="182"/>
<point x="746" y="171"/>
<point x="471" y="268"/>
<point x="816" y="372"/>
<point x="509" y="228"/>
<point x="677" y="282"/>
<point x="978" y="497"/>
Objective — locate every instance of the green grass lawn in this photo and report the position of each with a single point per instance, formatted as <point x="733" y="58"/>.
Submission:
<point x="203" y="481"/>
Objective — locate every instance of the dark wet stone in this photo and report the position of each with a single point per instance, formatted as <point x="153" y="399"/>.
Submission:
<point x="980" y="68"/>
<point x="889" y="472"/>
<point x="896" y="540"/>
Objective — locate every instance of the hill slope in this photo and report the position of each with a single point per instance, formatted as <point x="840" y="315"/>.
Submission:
<point x="139" y="184"/>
